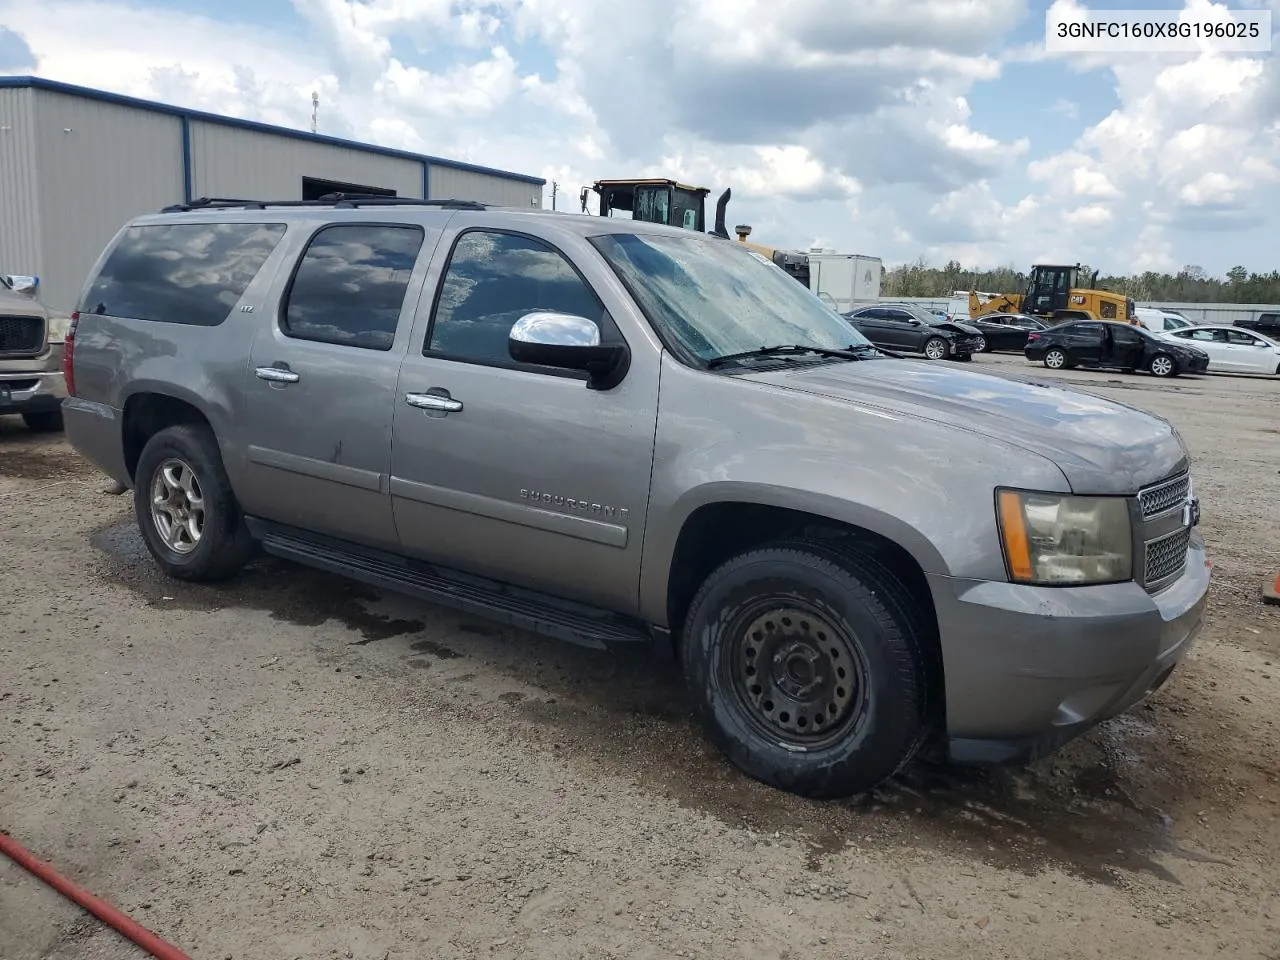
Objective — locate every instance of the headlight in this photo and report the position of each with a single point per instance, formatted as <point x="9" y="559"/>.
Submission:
<point x="58" y="328"/>
<point x="1057" y="539"/>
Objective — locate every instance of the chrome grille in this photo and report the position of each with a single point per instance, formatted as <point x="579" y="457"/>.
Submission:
<point x="1166" y="557"/>
<point x="23" y="335"/>
<point x="1164" y="496"/>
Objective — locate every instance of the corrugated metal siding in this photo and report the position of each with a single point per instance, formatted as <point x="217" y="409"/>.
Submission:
<point x="19" y="185"/>
<point x="250" y="164"/>
<point x="449" y="183"/>
<point x="1220" y="313"/>
<point x="100" y="165"/>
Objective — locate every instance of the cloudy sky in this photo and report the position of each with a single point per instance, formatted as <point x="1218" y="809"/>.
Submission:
<point x="896" y="128"/>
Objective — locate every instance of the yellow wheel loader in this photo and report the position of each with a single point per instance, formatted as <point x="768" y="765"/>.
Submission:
<point x="677" y="204"/>
<point x="1057" y="293"/>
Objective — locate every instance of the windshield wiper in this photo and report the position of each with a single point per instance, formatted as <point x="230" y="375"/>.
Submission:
<point x="855" y="352"/>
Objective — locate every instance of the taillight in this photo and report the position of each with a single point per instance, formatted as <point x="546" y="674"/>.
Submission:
<point x="1032" y="336"/>
<point x="68" y="355"/>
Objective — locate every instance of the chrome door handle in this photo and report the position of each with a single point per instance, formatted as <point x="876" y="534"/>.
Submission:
<point x="433" y="401"/>
<point x="276" y="375"/>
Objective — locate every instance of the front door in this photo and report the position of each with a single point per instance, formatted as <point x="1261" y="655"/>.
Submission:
<point x="1246" y="353"/>
<point x="514" y="472"/>
<point x="901" y="330"/>
<point x="1126" y="346"/>
<point x="321" y="384"/>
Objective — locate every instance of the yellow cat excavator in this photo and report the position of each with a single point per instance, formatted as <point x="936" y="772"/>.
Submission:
<point x="676" y="204"/>
<point x="1058" y="293"/>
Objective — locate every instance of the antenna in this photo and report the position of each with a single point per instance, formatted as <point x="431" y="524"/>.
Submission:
<point x="315" y="109"/>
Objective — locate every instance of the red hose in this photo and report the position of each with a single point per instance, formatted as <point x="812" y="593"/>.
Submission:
<point x="104" y="911"/>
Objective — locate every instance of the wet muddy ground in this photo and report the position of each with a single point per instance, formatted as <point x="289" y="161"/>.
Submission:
<point x="291" y="765"/>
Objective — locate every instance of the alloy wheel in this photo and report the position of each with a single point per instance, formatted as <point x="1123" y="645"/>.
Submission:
<point x="177" y="505"/>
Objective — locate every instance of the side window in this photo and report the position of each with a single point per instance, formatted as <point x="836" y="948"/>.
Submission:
<point x="350" y="285"/>
<point x="1205" y="336"/>
<point x="191" y="273"/>
<point x="897" y="316"/>
<point x="1241" y="338"/>
<point x="493" y="280"/>
<point x="1126" y="336"/>
<point x="1085" y="330"/>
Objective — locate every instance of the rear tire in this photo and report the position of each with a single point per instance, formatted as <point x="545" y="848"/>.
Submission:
<point x="807" y="668"/>
<point x="1163" y="365"/>
<point x="1055" y="358"/>
<point x="186" y="510"/>
<point x="44" y="421"/>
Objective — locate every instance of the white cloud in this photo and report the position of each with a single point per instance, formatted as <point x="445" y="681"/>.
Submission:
<point x="849" y="123"/>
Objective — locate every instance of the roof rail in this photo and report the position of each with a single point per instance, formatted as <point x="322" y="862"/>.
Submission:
<point x="342" y="200"/>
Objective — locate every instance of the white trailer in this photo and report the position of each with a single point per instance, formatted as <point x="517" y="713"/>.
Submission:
<point x="844" y="280"/>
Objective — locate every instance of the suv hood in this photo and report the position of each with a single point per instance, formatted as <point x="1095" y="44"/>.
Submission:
<point x="1100" y="445"/>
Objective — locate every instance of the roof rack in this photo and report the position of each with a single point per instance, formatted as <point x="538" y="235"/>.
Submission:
<point x="337" y="200"/>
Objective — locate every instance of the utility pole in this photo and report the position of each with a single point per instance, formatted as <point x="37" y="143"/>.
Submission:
<point x="555" y="186"/>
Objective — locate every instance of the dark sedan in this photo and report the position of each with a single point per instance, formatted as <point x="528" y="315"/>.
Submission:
<point x="1005" y="331"/>
<point x="905" y="326"/>
<point x="1121" y="346"/>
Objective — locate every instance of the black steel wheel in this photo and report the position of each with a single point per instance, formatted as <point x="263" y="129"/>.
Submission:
<point x="808" y="668"/>
<point x="797" y="676"/>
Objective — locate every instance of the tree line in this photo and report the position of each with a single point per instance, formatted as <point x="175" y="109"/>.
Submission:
<point x="1191" y="284"/>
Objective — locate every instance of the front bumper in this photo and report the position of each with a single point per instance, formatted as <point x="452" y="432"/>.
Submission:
<point x="33" y="391"/>
<point x="1029" y="668"/>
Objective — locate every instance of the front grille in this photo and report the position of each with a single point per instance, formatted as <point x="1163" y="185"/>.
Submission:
<point x="1164" y="496"/>
<point x="1166" y="557"/>
<point x="23" y="335"/>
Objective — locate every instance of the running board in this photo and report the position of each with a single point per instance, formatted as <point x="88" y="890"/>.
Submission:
<point x="527" y="609"/>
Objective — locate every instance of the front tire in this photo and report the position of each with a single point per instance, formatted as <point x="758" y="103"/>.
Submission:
<point x="807" y="668"/>
<point x="935" y="348"/>
<point x="1163" y="365"/>
<point x="1055" y="359"/>
<point x="981" y="346"/>
<point x="185" y="507"/>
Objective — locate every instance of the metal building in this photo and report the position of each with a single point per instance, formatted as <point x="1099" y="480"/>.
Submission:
<point x="76" y="163"/>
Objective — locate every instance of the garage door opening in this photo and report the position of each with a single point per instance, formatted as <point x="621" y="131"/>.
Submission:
<point x="314" y="188"/>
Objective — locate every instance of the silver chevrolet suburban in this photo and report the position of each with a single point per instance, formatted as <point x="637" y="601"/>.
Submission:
<point x="610" y="431"/>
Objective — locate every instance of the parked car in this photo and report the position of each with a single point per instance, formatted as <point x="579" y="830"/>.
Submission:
<point x="613" y="431"/>
<point x="1160" y="321"/>
<point x="905" y="326"/>
<point x="1005" y="331"/>
<point x="31" y="338"/>
<point x="1232" y="349"/>
<point x="1108" y="343"/>
<point x="1265" y="323"/>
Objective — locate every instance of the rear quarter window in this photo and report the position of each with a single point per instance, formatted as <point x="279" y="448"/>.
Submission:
<point x="190" y="273"/>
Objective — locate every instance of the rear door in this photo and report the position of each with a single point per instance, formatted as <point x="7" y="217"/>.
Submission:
<point x="321" y="382"/>
<point x="870" y="323"/>
<point x="1083" y="342"/>
<point x="1211" y="341"/>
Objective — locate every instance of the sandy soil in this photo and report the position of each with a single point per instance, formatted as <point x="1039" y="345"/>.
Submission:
<point x="293" y="766"/>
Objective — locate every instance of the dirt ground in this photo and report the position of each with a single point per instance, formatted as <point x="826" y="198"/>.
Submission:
<point x="294" y="766"/>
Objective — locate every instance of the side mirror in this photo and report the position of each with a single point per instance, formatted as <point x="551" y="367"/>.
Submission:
<point x="571" y="343"/>
<point x="914" y="322"/>
<point x="27" y="286"/>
